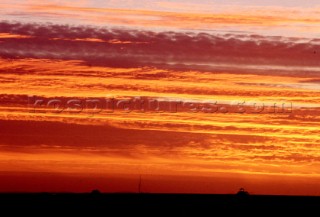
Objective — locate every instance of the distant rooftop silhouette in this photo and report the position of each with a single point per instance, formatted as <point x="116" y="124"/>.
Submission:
<point x="95" y="192"/>
<point x="242" y="192"/>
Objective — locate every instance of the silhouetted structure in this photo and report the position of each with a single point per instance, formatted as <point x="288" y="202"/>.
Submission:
<point x="139" y="186"/>
<point x="242" y="193"/>
<point x="95" y="192"/>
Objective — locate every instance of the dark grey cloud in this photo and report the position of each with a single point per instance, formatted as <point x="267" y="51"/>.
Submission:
<point x="177" y="50"/>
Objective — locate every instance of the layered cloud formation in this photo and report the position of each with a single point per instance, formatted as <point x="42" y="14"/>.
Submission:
<point x="216" y="81"/>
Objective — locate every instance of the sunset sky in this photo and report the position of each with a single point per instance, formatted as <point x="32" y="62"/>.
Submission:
<point x="242" y="78"/>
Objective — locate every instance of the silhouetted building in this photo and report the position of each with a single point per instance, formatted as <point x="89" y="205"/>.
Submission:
<point x="242" y="193"/>
<point x="95" y="192"/>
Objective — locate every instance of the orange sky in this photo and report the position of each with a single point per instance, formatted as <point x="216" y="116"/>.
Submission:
<point x="207" y="151"/>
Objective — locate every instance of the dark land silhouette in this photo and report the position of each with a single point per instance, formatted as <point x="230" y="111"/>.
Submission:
<point x="159" y="203"/>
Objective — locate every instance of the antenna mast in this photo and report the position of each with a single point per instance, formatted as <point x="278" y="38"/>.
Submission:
<point x="139" y="187"/>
